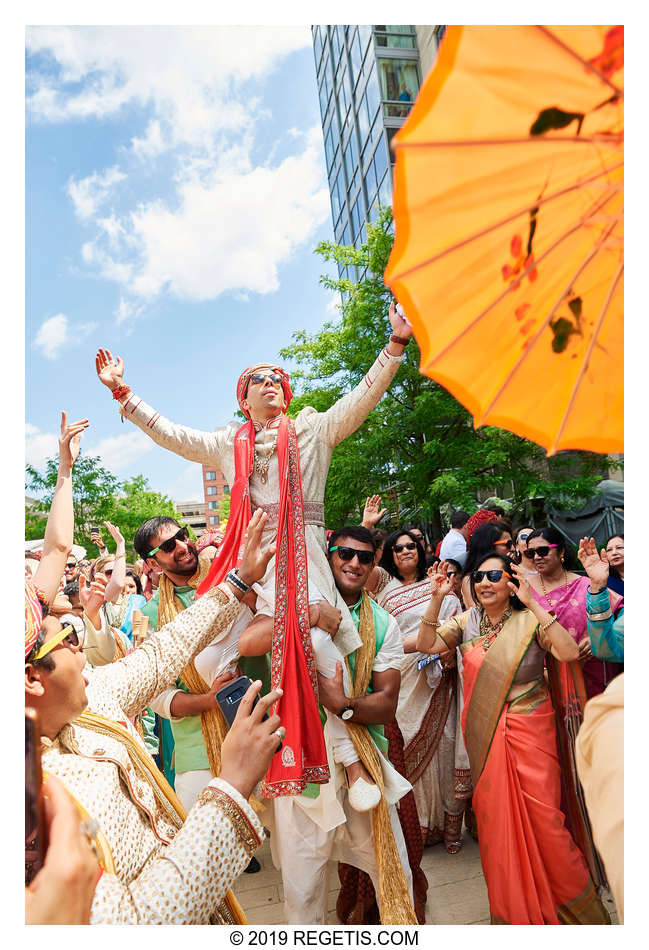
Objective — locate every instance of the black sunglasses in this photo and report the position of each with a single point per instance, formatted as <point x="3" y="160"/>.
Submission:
<point x="170" y="544"/>
<point x="347" y="554"/>
<point x="541" y="551"/>
<point x="408" y="546"/>
<point x="493" y="576"/>
<point x="262" y="377"/>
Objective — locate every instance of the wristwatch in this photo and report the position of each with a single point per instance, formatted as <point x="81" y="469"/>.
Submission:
<point x="346" y="713"/>
<point x="233" y="577"/>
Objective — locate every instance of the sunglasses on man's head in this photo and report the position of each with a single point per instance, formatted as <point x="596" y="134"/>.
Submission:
<point x="542" y="551"/>
<point x="493" y="576"/>
<point x="170" y="544"/>
<point x="262" y="377"/>
<point x="347" y="554"/>
<point x="408" y="546"/>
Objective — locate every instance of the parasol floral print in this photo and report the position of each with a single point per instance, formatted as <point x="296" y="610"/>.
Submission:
<point x="522" y="265"/>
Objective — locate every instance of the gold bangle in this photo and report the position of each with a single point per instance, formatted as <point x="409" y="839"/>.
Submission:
<point x="429" y="623"/>
<point x="545" y="626"/>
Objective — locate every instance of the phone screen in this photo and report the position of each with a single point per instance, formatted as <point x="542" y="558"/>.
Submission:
<point x="34" y="825"/>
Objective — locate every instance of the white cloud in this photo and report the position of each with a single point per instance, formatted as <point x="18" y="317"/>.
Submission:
<point x="230" y="230"/>
<point x="39" y="446"/>
<point x="89" y="193"/>
<point x="57" y="332"/>
<point x="188" y="74"/>
<point x="127" y="311"/>
<point x="52" y="335"/>
<point x="151" y="144"/>
<point x="224" y="225"/>
<point x="120" y="451"/>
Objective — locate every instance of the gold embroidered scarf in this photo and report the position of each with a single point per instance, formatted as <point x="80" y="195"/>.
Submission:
<point x="491" y="688"/>
<point x="394" y="901"/>
<point x="213" y="723"/>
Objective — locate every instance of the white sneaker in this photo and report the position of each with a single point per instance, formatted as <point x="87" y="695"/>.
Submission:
<point x="363" y="796"/>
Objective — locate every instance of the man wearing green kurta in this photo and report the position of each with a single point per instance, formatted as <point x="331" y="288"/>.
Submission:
<point x="183" y="754"/>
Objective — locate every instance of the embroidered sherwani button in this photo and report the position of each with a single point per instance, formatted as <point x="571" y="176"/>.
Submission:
<point x="99" y="752"/>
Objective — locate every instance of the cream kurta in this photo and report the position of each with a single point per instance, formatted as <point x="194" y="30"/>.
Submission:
<point x="163" y="875"/>
<point x="318" y="433"/>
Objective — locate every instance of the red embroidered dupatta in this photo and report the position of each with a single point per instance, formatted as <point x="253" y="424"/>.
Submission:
<point x="303" y="757"/>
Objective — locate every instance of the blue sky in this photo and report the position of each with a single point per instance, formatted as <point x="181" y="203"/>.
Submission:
<point x="175" y="192"/>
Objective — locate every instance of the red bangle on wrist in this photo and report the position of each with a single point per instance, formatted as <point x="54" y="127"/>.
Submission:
<point x="402" y="341"/>
<point x="121" y="391"/>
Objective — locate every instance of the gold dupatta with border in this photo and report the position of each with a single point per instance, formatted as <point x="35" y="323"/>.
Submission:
<point x="229" y="911"/>
<point x="493" y="683"/>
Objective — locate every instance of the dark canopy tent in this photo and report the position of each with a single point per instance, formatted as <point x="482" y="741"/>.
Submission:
<point x="599" y="518"/>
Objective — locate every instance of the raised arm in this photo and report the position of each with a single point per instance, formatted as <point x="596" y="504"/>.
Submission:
<point x="433" y="636"/>
<point x="346" y="415"/>
<point x="155" y="666"/>
<point x="59" y="532"/>
<point x="192" y="444"/>
<point x="605" y="632"/>
<point x="115" y="585"/>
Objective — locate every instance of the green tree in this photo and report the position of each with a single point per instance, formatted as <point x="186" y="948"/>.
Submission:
<point x="418" y="448"/>
<point x="134" y="503"/>
<point x="93" y="488"/>
<point x="224" y="508"/>
<point x="97" y="496"/>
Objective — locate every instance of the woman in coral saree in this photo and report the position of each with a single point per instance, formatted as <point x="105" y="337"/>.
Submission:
<point x="535" y="872"/>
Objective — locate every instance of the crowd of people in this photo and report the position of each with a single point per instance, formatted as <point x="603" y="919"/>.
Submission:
<point x="404" y="692"/>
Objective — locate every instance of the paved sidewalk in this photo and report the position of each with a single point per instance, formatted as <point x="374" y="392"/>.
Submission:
<point x="457" y="893"/>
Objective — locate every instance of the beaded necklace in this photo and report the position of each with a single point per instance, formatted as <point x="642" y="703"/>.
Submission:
<point x="490" y="630"/>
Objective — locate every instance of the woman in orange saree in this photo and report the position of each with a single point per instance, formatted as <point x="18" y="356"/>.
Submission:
<point x="534" y="871"/>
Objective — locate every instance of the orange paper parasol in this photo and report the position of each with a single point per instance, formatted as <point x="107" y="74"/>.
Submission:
<point x="508" y="207"/>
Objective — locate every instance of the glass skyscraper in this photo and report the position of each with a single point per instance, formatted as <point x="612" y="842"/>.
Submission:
<point x="368" y="78"/>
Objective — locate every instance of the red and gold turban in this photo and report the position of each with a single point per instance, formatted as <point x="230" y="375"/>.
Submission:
<point x="244" y="379"/>
<point x="33" y="616"/>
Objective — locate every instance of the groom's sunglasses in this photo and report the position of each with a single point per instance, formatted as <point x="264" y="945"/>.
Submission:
<point x="262" y="377"/>
<point x="347" y="554"/>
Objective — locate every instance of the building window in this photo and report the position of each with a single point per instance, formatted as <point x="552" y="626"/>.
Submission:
<point x="226" y="489"/>
<point x="399" y="37"/>
<point x="357" y="216"/>
<point x="213" y="505"/>
<point x="372" y="96"/>
<point x="335" y="42"/>
<point x="385" y="190"/>
<point x="212" y="490"/>
<point x="336" y="196"/>
<point x="380" y="161"/>
<point x="356" y="56"/>
<point x="214" y="519"/>
<point x="210" y="476"/>
<point x="399" y="82"/>
<point x="350" y="156"/>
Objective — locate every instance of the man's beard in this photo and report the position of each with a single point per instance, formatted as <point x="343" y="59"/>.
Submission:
<point x="187" y="569"/>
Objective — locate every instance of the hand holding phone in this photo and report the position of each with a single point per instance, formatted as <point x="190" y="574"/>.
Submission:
<point x="254" y="736"/>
